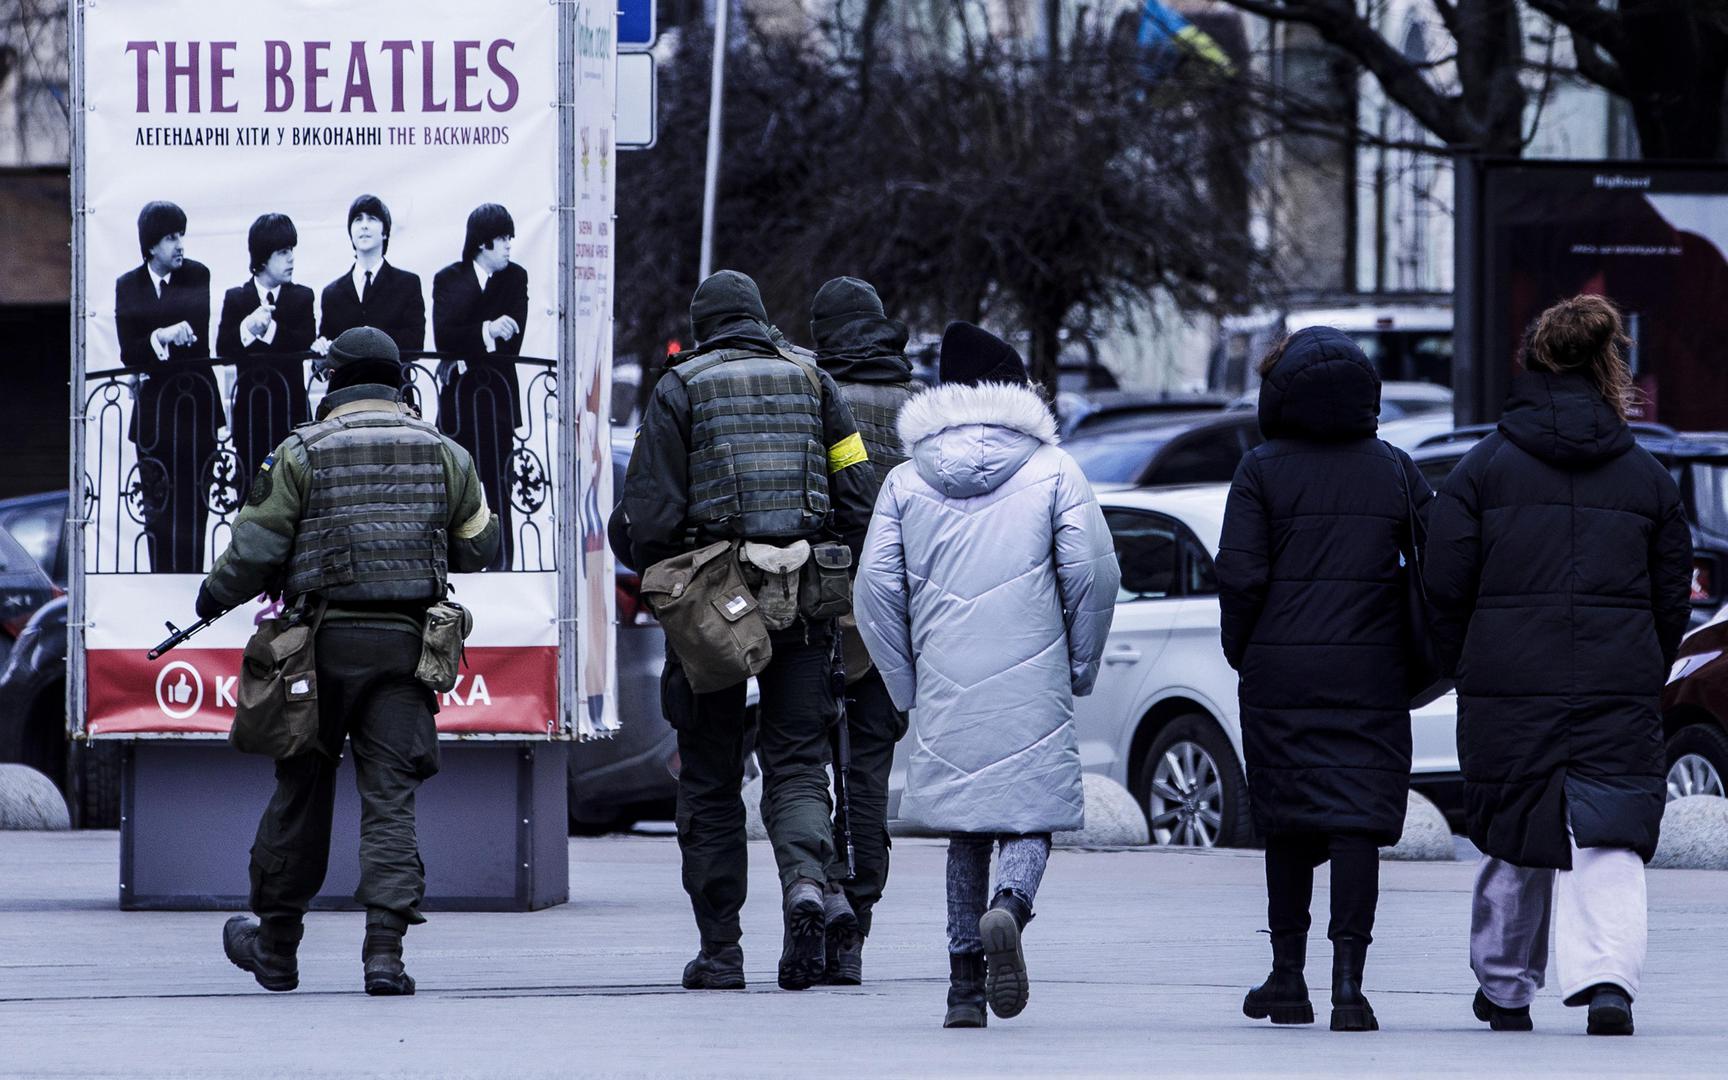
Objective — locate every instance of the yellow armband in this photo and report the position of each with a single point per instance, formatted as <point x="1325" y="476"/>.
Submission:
<point x="846" y="453"/>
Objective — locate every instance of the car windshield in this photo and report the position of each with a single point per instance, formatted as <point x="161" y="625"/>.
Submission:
<point x="1710" y="497"/>
<point x="1114" y="460"/>
<point x="1408" y="356"/>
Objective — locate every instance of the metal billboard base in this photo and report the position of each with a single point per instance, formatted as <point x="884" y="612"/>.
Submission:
<point x="493" y="827"/>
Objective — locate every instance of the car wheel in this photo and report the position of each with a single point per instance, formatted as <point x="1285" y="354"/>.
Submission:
<point x="95" y="774"/>
<point x="1191" y="787"/>
<point x="1697" y="761"/>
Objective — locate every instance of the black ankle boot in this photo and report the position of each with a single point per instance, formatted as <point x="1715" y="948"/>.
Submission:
<point x="1610" y="1010"/>
<point x="803" y="949"/>
<point x="845" y="943"/>
<point x="1499" y="1018"/>
<point x="716" y="967"/>
<point x="966" y="991"/>
<point x="1350" y="1009"/>
<point x="1284" y="995"/>
<point x="382" y="956"/>
<point x="1006" y="985"/>
<point x="272" y="960"/>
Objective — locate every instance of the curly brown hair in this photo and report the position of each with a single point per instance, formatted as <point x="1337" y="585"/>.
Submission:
<point x="1584" y="336"/>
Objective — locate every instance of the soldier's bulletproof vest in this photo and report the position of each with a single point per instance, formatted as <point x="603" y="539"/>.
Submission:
<point x="876" y="408"/>
<point x="373" y="529"/>
<point x="758" y="468"/>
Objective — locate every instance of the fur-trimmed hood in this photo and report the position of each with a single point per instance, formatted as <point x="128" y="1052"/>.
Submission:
<point x="968" y="440"/>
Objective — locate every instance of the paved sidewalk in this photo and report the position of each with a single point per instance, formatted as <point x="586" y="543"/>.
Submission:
<point x="1138" y="958"/>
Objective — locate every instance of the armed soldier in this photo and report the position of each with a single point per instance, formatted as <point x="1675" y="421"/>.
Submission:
<point x="743" y="442"/>
<point x="359" y="514"/>
<point x="864" y="351"/>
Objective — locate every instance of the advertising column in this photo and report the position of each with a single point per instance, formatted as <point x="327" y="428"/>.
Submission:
<point x="258" y="178"/>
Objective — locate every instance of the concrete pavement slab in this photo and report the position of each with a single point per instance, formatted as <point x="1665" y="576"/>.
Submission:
<point x="1138" y="958"/>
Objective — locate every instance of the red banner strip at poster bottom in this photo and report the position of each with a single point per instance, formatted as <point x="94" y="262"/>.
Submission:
<point x="504" y="690"/>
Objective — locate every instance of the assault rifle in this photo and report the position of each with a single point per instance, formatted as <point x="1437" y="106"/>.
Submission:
<point x="177" y="637"/>
<point x="842" y="747"/>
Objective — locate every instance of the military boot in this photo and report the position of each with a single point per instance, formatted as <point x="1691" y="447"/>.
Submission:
<point x="1284" y="995"/>
<point x="1006" y="985"/>
<point x="966" y="975"/>
<point x="801" y="958"/>
<point x="1350" y="1009"/>
<point x="270" y="959"/>
<point x="845" y="944"/>
<point x="716" y="967"/>
<point x="382" y="955"/>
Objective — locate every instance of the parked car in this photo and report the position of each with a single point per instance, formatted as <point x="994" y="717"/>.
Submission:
<point x="1165" y="448"/>
<point x="1697" y="461"/>
<point x="24" y="588"/>
<point x="1398" y="401"/>
<point x="1695" y="712"/>
<point x="1407" y="340"/>
<point x="1163" y="719"/>
<point x="632" y="775"/>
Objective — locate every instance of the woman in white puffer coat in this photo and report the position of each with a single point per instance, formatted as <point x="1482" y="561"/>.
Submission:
<point x="984" y="595"/>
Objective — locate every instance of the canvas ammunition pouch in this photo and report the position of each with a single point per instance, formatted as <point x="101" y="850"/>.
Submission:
<point x="712" y="621"/>
<point x="775" y="576"/>
<point x="827" y="586"/>
<point x="276" y="701"/>
<point x="447" y="626"/>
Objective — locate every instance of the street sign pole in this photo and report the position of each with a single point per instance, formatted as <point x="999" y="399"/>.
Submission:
<point x="711" y="181"/>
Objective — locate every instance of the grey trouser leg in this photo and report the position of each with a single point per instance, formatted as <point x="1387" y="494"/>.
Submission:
<point x="1509" y="915"/>
<point x="1019" y="870"/>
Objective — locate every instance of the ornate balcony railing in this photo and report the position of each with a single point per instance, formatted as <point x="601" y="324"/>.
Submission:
<point x="171" y="452"/>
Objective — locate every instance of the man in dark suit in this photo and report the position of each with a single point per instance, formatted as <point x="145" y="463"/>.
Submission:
<point x="267" y="318"/>
<point x="162" y="318"/>
<point x="373" y="292"/>
<point x="479" y="307"/>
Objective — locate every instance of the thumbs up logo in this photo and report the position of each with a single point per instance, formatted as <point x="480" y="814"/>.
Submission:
<point x="179" y="690"/>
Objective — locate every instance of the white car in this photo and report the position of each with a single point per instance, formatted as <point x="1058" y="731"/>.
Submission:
<point x="1163" y="718"/>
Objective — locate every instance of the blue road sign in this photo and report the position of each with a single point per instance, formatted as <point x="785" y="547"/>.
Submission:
<point x="636" y="23"/>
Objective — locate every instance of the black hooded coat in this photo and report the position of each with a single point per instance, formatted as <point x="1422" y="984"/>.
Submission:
<point x="1559" y="565"/>
<point x="1312" y="598"/>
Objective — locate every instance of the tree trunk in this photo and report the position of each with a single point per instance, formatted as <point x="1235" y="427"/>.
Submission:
<point x="1676" y="68"/>
<point x="1046" y="345"/>
<point x="1490" y="54"/>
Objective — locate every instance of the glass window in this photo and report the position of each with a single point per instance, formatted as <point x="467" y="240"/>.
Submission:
<point x="1710" y="497"/>
<point x="1199" y="576"/>
<point x="1111" y="461"/>
<point x="1209" y="457"/>
<point x="1436" y="470"/>
<point x="1147" y="552"/>
<point x="37" y="529"/>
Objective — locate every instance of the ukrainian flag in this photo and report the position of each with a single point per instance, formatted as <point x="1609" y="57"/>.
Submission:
<point x="1168" y="36"/>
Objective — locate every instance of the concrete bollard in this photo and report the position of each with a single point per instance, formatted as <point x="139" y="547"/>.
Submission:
<point x="1694" y="834"/>
<point x="29" y="800"/>
<point x="1427" y="837"/>
<point x="1113" y="818"/>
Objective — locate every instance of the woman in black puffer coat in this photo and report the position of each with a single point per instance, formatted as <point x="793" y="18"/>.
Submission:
<point x="1312" y="592"/>
<point x="1560" y="564"/>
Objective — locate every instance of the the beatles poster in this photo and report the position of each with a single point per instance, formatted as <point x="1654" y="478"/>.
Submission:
<point x="258" y="177"/>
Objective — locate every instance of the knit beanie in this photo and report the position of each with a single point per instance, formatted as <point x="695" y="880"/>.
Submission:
<point x="364" y="354"/>
<point x="973" y="355"/>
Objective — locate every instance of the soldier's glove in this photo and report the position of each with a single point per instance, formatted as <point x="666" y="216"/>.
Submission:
<point x="207" y="606"/>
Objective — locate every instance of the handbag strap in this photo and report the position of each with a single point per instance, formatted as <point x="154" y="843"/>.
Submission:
<point x="1412" y="524"/>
